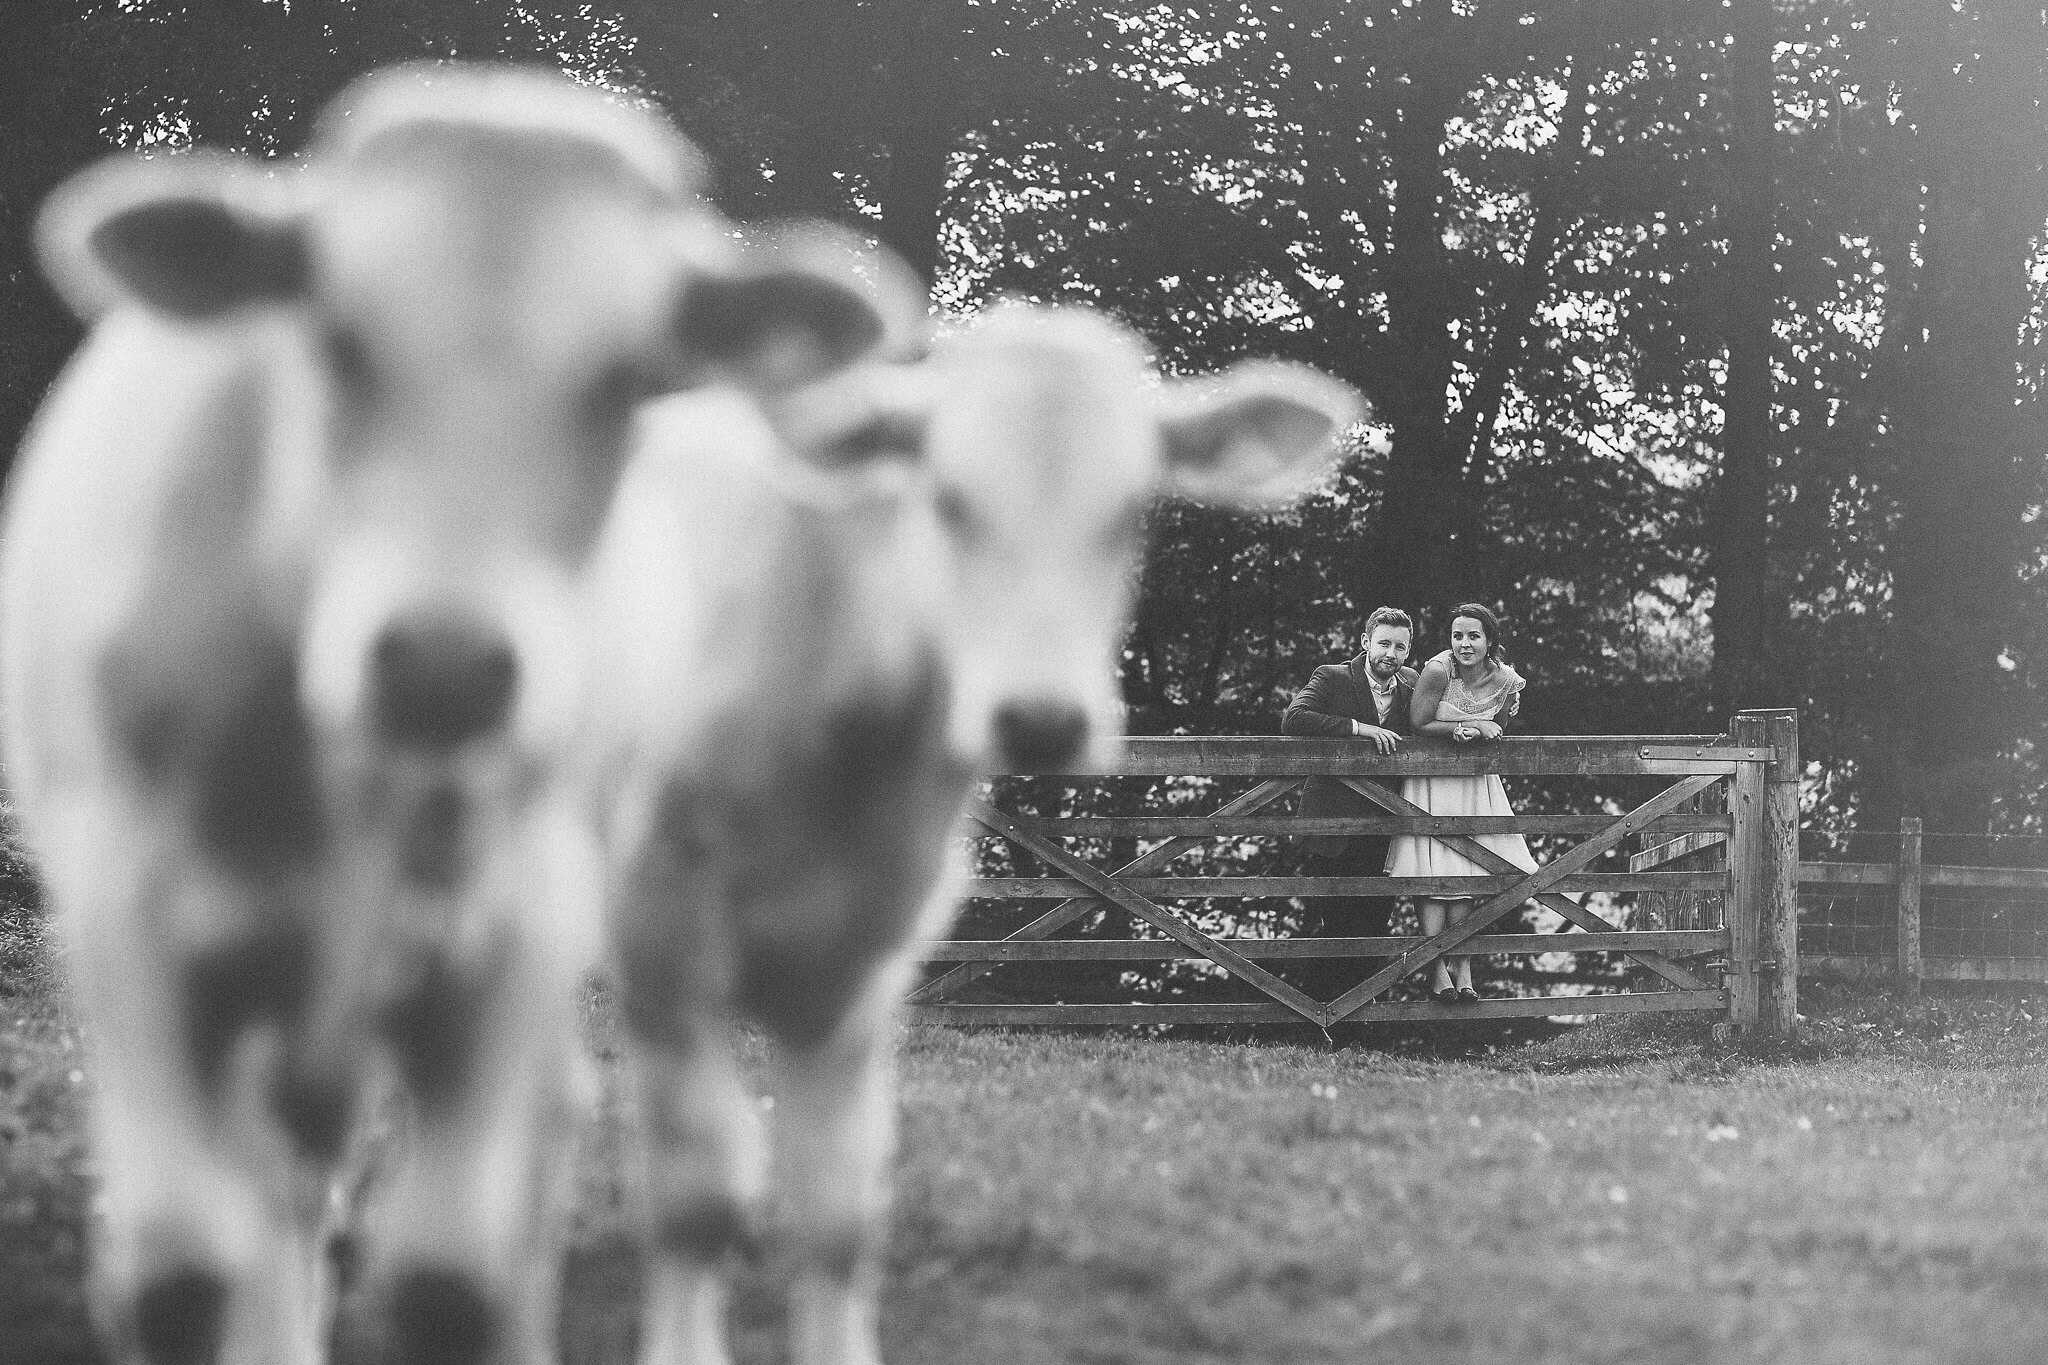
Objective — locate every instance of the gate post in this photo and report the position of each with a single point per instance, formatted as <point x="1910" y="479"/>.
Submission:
<point x="1780" y="934"/>
<point x="1763" y="863"/>
<point x="1745" y="881"/>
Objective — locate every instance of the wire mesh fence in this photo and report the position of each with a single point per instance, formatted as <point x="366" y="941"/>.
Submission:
<point x="1845" y="919"/>
<point x="1958" y="921"/>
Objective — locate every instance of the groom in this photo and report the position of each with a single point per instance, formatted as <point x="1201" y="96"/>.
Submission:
<point x="1368" y="699"/>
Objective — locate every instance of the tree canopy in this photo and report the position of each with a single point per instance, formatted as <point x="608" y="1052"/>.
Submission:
<point x="1705" y="340"/>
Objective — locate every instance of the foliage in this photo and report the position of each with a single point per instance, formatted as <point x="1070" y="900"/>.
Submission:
<point x="1532" y="232"/>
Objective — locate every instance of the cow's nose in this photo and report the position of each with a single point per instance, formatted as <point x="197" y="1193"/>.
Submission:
<point x="1033" y="735"/>
<point x="440" y="679"/>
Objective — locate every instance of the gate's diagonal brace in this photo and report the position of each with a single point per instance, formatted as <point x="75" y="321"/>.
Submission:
<point x="1107" y="887"/>
<point x="1564" y="905"/>
<point x="1066" y="912"/>
<point x="1530" y="886"/>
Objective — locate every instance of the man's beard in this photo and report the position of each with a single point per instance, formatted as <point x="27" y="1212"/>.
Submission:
<point x="1383" y="668"/>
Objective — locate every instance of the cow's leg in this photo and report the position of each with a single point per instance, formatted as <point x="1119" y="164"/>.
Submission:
<point x="695" y="1130"/>
<point x="459" y="1257"/>
<point x="834" y="1136"/>
<point x="201" y="1261"/>
<point x="699" y="1138"/>
<point x="209" y="1249"/>
<point x="459" y="1260"/>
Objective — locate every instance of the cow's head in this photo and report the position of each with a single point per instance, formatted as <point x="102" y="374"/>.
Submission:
<point x="1042" y="438"/>
<point x="463" y="294"/>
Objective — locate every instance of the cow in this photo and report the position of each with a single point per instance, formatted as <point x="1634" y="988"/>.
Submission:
<point x="294" y="651"/>
<point x="927" y="571"/>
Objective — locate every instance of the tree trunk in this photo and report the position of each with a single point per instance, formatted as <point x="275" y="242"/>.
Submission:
<point x="1739" y="533"/>
<point x="1955" y="577"/>
<point x="1415" y="558"/>
<point x="911" y="188"/>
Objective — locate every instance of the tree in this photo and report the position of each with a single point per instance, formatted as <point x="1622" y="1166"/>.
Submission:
<point x="1975" y="94"/>
<point x="1673" y="313"/>
<point x="1281" y="228"/>
<point x="1740" y="536"/>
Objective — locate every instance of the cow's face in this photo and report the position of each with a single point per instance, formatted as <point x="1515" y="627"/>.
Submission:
<point x="480" y="280"/>
<point x="484" y="312"/>
<point x="1043" y="438"/>
<point x="1043" y="453"/>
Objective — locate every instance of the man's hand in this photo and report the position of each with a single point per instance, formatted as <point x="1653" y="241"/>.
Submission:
<point x="1386" y="741"/>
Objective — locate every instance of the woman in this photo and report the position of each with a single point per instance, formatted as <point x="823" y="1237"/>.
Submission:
<point x="1463" y="693"/>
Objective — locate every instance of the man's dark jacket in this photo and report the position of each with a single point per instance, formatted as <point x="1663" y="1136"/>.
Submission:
<point x="1336" y="695"/>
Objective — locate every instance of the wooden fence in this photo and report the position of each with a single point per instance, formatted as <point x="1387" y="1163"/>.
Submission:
<point x="1909" y="879"/>
<point x="1745" y="965"/>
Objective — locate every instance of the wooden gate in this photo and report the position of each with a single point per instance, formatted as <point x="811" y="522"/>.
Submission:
<point x="1750" y="958"/>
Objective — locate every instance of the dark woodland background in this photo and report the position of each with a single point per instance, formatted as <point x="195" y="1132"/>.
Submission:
<point x="1706" y="339"/>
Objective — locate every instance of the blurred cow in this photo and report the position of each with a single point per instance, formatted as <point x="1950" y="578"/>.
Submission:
<point x="295" y="645"/>
<point x="940" y="587"/>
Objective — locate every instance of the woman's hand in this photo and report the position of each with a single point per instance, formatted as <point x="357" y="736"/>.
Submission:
<point x="1484" y="729"/>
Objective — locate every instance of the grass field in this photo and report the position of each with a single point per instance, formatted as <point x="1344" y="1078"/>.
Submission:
<point x="1611" y="1193"/>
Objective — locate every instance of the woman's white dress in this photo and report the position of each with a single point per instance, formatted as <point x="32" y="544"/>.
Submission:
<point x="1412" y="855"/>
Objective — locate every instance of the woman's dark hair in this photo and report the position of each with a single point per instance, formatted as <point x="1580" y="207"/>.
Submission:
<point x="1488" y="622"/>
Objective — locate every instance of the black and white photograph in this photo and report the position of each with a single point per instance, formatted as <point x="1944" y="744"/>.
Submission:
<point x="1023" y="682"/>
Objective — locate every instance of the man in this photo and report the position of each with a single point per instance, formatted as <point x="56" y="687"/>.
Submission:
<point x="1366" y="698"/>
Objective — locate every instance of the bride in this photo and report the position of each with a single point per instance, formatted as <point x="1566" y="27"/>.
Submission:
<point x="1463" y="693"/>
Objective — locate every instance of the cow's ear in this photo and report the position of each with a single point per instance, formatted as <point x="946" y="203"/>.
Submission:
<point x="868" y="416"/>
<point x="796" y="307"/>
<point x="1261" y="433"/>
<point x="192" y="236"/>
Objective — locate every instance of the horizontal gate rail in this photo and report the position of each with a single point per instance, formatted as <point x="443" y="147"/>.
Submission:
<point x="1754" y="757"/>
<point x="1266" y="888"/>
<point x="1211" y="826"/>
<point x="1675" y="941"/>
<point x="1526" y="1007"/>
<point x="1529" y="755"/>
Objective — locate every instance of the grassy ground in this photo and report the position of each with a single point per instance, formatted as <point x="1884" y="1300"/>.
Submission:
<point x="1623" y="1192"/>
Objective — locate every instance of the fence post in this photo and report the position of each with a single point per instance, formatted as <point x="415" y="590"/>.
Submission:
<point x="1763" y="918"/>
<point x="1910" y="968"/>
<point x="1779" y="936"/>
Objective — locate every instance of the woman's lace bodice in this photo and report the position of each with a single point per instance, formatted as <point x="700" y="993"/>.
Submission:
<point x="1499" y="695"/>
